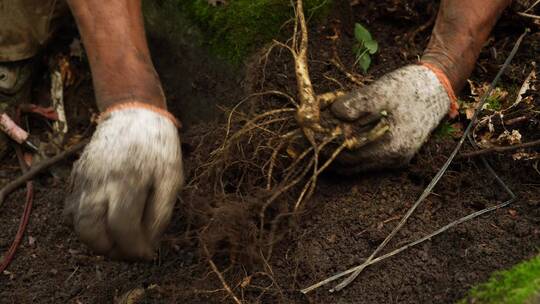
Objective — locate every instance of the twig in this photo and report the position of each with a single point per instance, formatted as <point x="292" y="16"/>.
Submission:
<point x="71" y="275"/>
<point x="533" y="143"/>
<point x="529" y="15"/>
<point x="355" y="271"/>
<point x="220" y="276"/>
<point x="326" y="99"/>
<point x="38" y="168"/>
<point x="532" y="6"/>
<point x="412" y="244"/>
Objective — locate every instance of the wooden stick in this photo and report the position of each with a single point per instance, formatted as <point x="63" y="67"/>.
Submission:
<point x="500" y="149"/>
<point x="38" y="168"/>
<point x="529" y="16"/>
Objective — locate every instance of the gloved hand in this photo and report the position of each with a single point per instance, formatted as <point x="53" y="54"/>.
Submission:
<point x="124" y="186"/>
<point x="415" y="100"/>
<point x="417" y="97"/>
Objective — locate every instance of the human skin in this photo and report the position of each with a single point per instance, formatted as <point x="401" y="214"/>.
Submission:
<point x="123" y="74"/>
<point x="122" y="69"/>
<point x="461" y="29"/>
<point x="123" y="187"/>
<point x="115" y="41"/>
<point x="418" y="97"/>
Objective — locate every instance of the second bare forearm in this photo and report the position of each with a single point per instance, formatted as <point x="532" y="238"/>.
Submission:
<point x="114" y="39"/>
<point x="461" y="29"/>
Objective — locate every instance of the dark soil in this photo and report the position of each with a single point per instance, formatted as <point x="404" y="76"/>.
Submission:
<point x="347" y="218"/>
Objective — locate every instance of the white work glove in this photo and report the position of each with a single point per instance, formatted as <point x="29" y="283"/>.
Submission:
<point x="124" y="186"/>
<point x="415" y="101"/>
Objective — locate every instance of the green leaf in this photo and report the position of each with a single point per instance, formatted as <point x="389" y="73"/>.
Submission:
<point x="372" y="46"/>
<point x="361" y="33"/>
<point x="357" y="49"/>
<point x="364" y="47"/>
<point x="364" y="62"/>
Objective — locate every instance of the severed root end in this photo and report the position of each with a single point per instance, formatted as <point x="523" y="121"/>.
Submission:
<point x="309" y="115"/>
<point x="326" y="99"/>
<point x="353" y="135"/>
<point x="365" y="130"/>
<point x="360" y="140"/>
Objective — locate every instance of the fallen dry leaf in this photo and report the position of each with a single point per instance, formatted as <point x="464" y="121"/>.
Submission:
<point x="525" y="156"/>
<point x="477" y="91"/>
<point x="509" y="138"/>
<point x="527" y="85"/>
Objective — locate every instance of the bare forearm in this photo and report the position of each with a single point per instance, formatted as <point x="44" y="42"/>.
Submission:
<point x="461" y="30"/>
<point x="114" y="38"/>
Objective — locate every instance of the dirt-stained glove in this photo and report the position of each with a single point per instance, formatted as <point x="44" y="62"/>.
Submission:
<point x="415" y="100"/>
<point x="124" y="186"/>
<point x="417" y="97"/>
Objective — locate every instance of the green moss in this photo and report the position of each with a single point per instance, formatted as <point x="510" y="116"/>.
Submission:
<point x="234" y="30"/>
<point x="520" y="284"/>
<point x="493" y="103"/>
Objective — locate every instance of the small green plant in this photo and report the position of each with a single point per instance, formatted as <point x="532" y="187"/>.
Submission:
<point x="365" y="47"/>
<point x="445" y="130"/>
<point x="493" y="102"/>
<point x="236" y="28"/>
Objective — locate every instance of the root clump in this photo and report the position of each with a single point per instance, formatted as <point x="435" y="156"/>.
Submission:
<point x="267" y="162"/>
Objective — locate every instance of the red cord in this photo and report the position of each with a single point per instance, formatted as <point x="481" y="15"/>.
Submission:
<point x="26" y="213"/>
<point x="22" y="227"/>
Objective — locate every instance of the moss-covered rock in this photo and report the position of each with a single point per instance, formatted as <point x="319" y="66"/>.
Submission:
<point x="232" y="30"/>
<point x="518" y="285"/>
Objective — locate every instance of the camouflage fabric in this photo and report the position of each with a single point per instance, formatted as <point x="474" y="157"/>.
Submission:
<point x="4" y="140"/>
<point x="26" y="25"/>
<point x="4" y="145"/>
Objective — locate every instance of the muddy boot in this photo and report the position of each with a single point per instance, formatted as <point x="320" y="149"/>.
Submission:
<point x="14" y="80"/>
<point x="14" y="89"/>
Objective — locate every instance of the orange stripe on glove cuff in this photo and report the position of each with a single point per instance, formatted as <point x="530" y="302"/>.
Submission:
<point x="445" y="82"/>
<point x="140" y="105"/>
